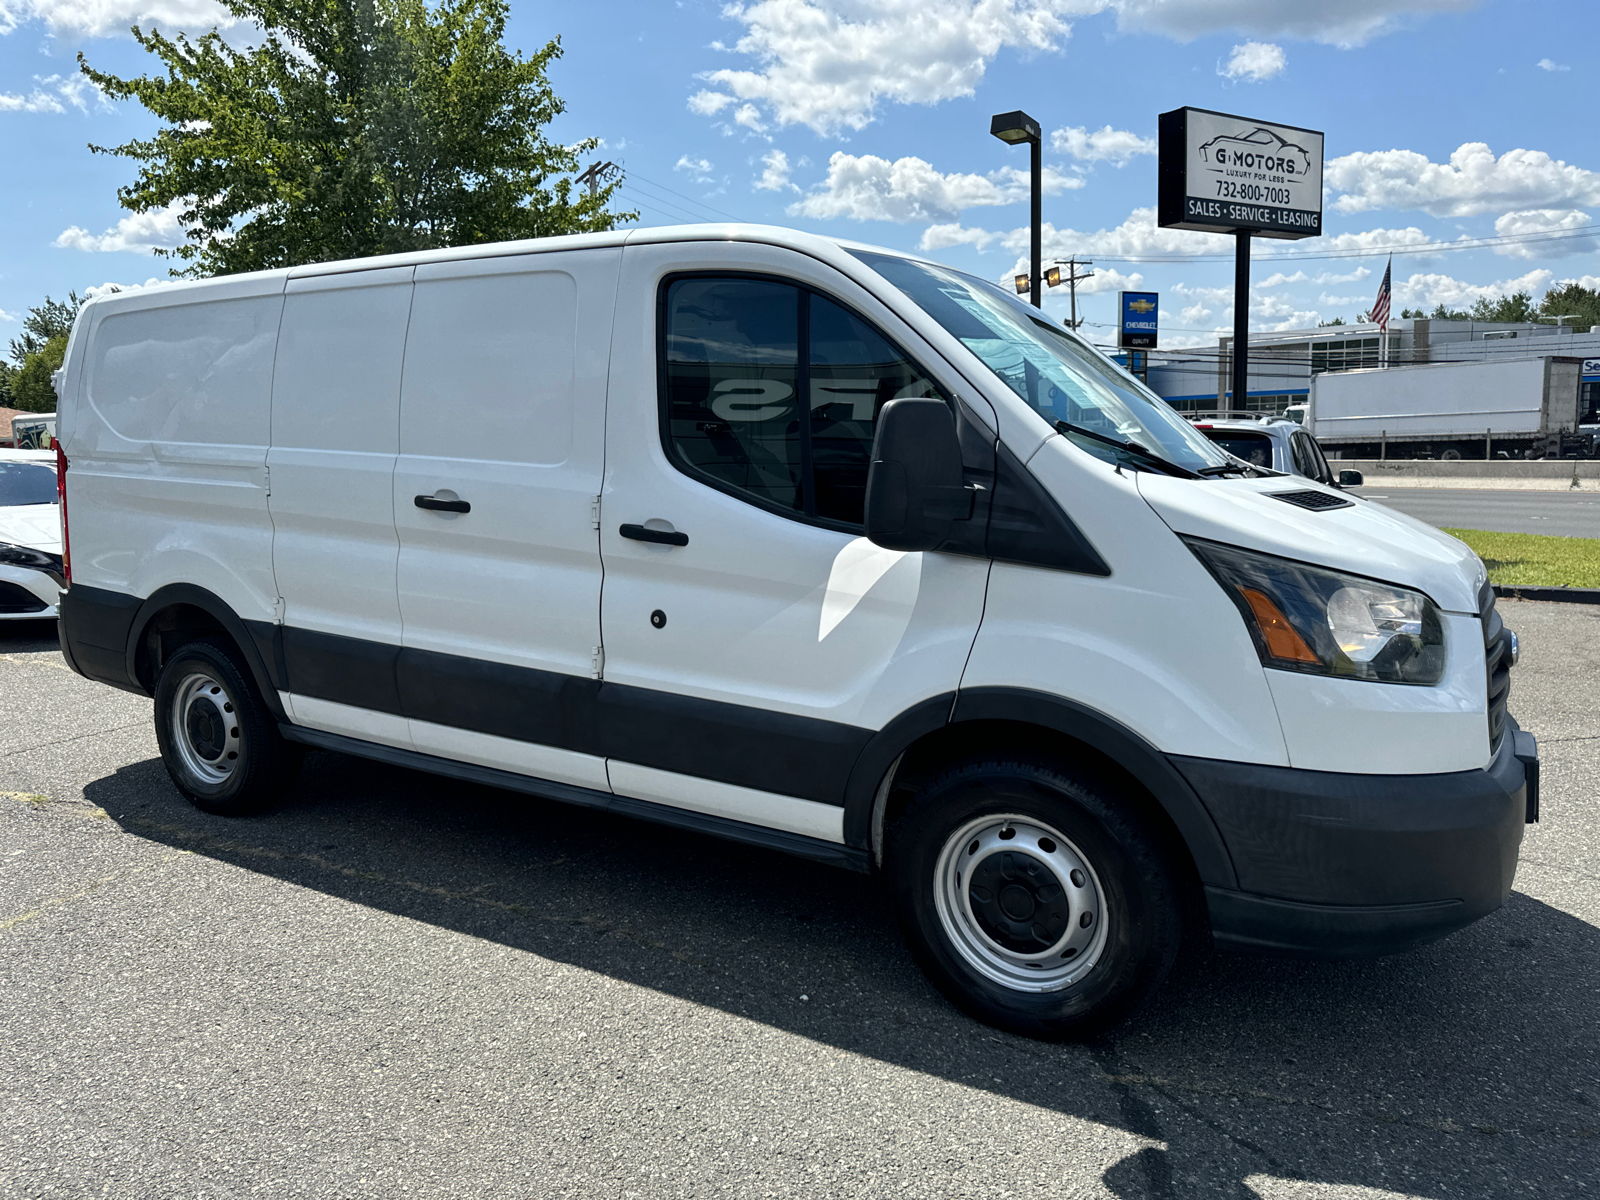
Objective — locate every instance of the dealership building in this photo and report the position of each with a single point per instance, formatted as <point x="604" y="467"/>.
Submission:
<point x="1283" y="363"/>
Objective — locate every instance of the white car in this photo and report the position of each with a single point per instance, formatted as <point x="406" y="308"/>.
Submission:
<point x="1279" y="444"/>
<point x="30" y="535"/>
<point x="897" y="575"/>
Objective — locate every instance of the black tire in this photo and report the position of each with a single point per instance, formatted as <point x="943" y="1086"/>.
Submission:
<point x="1129" y="882"/>
<point x="219" y="742"/>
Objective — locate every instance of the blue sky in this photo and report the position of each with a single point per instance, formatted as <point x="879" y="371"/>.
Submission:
<point x="1447" y="121"/>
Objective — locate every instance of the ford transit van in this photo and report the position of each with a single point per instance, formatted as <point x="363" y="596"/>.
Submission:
<point x="810" y="546"/>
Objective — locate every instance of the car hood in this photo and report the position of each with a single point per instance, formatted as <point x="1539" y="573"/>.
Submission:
<point x="1363" y="538"/>
<point x="34" y="525"/>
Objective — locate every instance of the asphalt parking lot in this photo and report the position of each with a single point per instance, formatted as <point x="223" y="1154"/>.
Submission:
<point x="398" y="986"/>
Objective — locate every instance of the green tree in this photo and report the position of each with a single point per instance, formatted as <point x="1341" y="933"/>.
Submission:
<point x="51" y="319"/>
<point x="7" y="371"/>
<point x="1410" y="313"/>
<point x="1578" y="305"/>
<point x="31" y="389"/>
<point x="355" y="127"/>
<point x="1516" y="307"/>
<point x="1442" y="312"/>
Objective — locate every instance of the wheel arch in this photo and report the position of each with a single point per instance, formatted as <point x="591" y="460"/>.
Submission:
<point x="181" y="612"/>
<point x="950" y="726"/>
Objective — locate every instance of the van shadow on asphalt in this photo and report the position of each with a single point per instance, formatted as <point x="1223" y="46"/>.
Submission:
<point x="1470" y="1067"/>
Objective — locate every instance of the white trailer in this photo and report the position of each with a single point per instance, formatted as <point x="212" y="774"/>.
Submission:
<point x="1523" y="407"/>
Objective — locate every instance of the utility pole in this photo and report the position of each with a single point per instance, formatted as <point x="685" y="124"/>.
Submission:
<point x="1054" y="278"/>
<point x="593" y="174"/>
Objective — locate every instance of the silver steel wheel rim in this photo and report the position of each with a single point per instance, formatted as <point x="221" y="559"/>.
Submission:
<point x="1060" y="947"/>
<point x="205" y="729"/>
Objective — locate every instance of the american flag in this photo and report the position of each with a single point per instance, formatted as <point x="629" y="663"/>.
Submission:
<point x="1380" y="307"/>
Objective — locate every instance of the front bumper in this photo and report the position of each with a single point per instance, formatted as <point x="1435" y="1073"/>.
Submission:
<point x="1340" y="865"/>
<point x="26" y="594"/>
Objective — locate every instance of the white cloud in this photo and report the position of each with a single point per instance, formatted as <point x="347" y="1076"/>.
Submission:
<point x="698" y="169"/>
<point x="749" y="116"/>
<point x="708" y="104"/>
<point x="1278" y="279"/>
<point x="828" y="63"/>
<point x="1254" y="62"/>
<point x="5" y="316"/>
<point x="1428" y="290"/>
<point x="940" y="237"/>
<point x="1540" y="220"/>
<point x="1348" y="23"/>
<point x="103" y="289"/>
<point x="54" y="94"/>
<point x="1473" y="181"/>
<point x="1137" y="237"/>
<point x="138" y="233"/>
<point x="869" y="188"/>
<point x="1546" y="64"/>
<point x="1103" y="145"/>
<point x="98" y="18"/>
<point x="775" y="176"/>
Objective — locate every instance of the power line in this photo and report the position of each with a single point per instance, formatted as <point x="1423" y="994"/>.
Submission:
<point x="1397" y="248"/>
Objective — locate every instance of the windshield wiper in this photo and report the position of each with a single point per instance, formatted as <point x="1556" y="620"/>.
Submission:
<point x="1134" y="448"/>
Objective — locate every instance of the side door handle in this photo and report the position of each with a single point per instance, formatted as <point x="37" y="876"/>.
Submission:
<point x="433" y="504"/>
<point x="660" y="537"/>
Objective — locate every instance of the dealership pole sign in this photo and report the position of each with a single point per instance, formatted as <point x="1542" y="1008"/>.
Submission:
<point x="1227" y="174"/>
<point x="1137" y="330"/>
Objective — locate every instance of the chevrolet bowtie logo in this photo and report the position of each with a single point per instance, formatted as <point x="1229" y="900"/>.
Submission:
<point x="1141" y="306"/>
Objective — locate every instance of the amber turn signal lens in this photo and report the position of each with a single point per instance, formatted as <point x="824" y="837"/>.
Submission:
<point x="1282" y="640"/>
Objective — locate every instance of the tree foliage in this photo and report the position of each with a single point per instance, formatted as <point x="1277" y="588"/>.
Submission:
<point x="355" y="127"/>
<point x="31" y="389"/>
<point x="1516" y="307"/>
<point x="1577" y="305"/>
<point x="51" y="319"/>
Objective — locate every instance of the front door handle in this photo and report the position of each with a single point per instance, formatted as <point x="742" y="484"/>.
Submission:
<point x="660" y="537"/>
<point x="433" y="504"/>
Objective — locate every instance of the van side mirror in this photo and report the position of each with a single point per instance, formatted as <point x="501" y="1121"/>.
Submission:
<point x="915" y="489"/>
<point x="1351" y="479"/>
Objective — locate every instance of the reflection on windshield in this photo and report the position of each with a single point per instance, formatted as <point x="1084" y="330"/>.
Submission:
<point x="26" y="483"/>
<point x="1060" y="377"/>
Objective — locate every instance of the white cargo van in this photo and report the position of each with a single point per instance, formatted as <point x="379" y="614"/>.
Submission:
<point x="804" y="544"/>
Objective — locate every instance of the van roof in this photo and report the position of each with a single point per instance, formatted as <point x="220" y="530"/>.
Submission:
<point x="257" y="283"/>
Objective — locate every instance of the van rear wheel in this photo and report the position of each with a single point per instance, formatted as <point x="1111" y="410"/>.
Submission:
<point x="219" y="742"/>
<point x="1033" y="898"/>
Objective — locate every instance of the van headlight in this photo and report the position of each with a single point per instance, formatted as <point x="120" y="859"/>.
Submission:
<point x="1305" y="618"/>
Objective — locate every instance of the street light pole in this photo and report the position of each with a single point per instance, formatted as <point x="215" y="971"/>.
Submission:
<point x="1012" y="128"/>
<point x="1036" y="218"/>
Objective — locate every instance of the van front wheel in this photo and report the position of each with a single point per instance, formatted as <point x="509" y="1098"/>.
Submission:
<point x="1032" y="898"/>
<point x="218" y="741"/>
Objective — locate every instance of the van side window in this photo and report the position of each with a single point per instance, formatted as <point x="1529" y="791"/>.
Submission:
<point x="738" y="352"/>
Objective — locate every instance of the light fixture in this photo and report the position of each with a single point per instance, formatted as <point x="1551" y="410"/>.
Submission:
<point x="1015" y="127"/>
<point x="1052" y="277"/>
<point x="1023" y="284"/>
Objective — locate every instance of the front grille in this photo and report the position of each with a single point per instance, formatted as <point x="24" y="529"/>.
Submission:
<point x="1315" y="501"/>
<point x="1497" y="660"/>
<point x="15" y="598"/>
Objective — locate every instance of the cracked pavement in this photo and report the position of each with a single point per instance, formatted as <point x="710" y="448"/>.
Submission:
<point x="395" y="985"/>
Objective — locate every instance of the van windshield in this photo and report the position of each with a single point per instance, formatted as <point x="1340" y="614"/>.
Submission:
<point x="1060" y="377"/>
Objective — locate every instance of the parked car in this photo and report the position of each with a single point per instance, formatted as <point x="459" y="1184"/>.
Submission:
<point x="1278" y="444"/>
<point x="897" y="576"/>
<point x="30" y="535"/>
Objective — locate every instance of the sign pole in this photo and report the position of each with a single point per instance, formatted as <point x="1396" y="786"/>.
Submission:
<point x="1036" y="218"/>
<point x="1241" y="320"/>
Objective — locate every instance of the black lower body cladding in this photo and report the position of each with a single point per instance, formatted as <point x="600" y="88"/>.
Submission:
<point x="1335" y="865"/>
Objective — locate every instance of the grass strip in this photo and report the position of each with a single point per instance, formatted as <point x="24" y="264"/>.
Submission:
<point x="1535" y="559"/>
